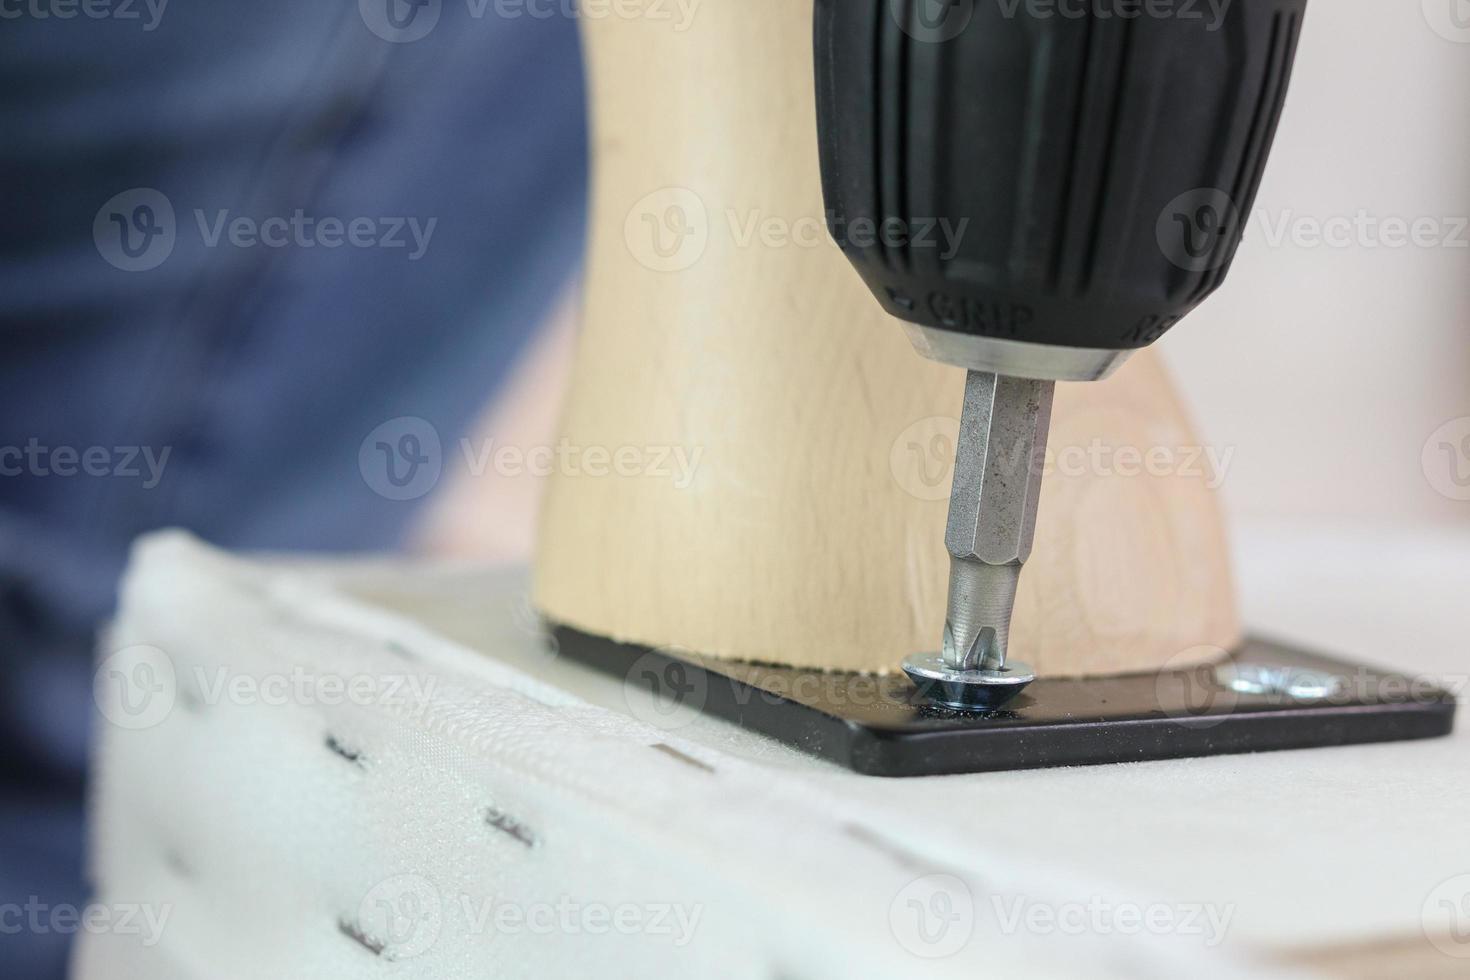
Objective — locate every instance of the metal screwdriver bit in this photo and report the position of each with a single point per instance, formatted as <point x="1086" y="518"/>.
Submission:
<point x="992" y="519"/>
<point x="992" y="513"/>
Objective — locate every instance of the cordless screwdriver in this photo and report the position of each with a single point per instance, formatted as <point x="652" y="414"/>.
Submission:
<point x="1092" y="162"/>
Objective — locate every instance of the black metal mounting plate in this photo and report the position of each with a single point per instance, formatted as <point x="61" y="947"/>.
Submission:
<point x="879" y="726"/>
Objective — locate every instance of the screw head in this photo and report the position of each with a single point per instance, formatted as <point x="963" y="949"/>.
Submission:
<point x="966" y="690"/>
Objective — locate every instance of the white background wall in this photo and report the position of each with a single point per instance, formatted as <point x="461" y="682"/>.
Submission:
<point x="1327" y="369"/>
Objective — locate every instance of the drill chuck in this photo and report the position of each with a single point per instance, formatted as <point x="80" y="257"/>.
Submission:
<point x="1090" y="173"/>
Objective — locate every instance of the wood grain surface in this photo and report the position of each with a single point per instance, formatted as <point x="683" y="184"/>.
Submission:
<point x="804" y="524"/>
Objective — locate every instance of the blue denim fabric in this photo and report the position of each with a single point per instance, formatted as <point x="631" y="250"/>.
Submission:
<point x="259" y="370"/>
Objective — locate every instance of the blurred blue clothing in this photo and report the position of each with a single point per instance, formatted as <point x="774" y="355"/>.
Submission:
<point x="228" y="388"/>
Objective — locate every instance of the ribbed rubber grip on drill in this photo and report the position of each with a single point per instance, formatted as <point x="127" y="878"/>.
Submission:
<point x="1011" y="169"/>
